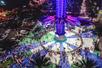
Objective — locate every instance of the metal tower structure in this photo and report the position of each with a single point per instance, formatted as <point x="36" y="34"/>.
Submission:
<point x="60" y="17"/>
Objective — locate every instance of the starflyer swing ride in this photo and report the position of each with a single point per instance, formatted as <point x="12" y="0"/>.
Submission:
<point x="61" y="32"/>
<point x="63" y="35"/>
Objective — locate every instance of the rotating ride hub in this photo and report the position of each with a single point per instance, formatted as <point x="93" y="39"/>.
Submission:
<point x="60" y="19"/>
<point x="60" y="33"/>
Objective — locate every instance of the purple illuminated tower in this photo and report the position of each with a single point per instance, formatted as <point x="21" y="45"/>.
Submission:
<point x="60" y="17"/>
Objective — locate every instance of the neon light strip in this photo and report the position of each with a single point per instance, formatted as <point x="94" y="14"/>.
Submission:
<point x="60" y="8"/>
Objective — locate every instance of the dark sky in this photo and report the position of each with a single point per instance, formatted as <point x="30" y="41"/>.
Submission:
<point x="15" y="3"/>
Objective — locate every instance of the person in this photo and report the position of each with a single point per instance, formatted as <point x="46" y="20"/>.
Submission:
<point x="98" y="23"/>
<point x="99" y="17"/>
<point x="100" y="46"/>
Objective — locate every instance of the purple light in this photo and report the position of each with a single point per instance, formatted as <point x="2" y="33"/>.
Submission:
<point x="50" y="18"/>
<point x="60" y="15"/>
<point x="60" y="8"/>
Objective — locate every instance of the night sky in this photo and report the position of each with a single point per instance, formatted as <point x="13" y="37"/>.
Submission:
<point x="14" y="3"/>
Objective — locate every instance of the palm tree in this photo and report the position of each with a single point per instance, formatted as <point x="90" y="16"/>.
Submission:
<point x="86" y="63"/>
<point x="41" y="61"/>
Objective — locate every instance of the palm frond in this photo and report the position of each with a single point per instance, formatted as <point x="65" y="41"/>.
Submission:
<point x="41" y="60"/>
<point x="86" y="63"/>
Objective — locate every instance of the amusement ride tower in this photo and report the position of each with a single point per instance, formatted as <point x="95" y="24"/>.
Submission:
<point x="60" y="18"/>
<point x="63" y="40"/>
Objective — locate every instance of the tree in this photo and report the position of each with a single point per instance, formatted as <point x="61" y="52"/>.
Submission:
<point x="86" y="63"/>
<point x="40" y="61"/>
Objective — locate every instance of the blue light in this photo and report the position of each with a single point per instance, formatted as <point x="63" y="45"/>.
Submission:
<point x="60" y="14"/>
<point x="60" y="8"/>
<point x="2" y="3"/>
